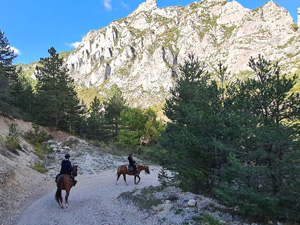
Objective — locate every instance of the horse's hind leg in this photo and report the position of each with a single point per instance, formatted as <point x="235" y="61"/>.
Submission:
<point x="58" y="197"/>
<point x="118" y="176"/>
<point x="61" y="202"/>
<point x="66" y="198"/>
<point x="124" y="176"/>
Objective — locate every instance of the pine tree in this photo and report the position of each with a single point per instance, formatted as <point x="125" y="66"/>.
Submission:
<point x="95" y="120"/>
<point x="113" y="109"/>
<point x="22" y="93"/>
<point x="7" y="71"/>
<point x="56" y="103"/>
<point x="81" y="125"/>
<point x="194" y="110"/>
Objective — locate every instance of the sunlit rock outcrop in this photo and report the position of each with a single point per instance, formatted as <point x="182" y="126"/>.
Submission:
<point x="142" y="52"/>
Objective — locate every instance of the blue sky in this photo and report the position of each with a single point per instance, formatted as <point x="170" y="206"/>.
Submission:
<point x="33" y="26"/>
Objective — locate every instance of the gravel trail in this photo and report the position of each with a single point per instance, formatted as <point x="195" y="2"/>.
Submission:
<point x="92" y="201"/>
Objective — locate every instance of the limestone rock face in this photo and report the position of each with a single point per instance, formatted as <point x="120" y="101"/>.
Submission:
<point x="142" y="53"/>
<point x="149" y="5"/>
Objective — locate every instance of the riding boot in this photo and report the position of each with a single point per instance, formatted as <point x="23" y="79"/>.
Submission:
<point x="75" y="182"/>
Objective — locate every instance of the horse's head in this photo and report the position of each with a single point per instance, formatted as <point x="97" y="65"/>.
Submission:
<point x="74" y="172"/>
<point x="147" y="170"/>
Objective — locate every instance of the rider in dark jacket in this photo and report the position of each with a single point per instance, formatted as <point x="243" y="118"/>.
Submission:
<point x="132" y="163"/>
<point x="66" y="168"/>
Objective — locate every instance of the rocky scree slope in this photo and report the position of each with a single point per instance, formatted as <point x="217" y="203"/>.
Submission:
<point x="17" y="178"/>
<point x="19" y="181"/>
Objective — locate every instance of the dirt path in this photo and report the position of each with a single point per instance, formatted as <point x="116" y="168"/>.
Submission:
<point x="92" y="201"/>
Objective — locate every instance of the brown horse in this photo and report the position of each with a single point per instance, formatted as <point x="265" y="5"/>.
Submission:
<point x="64" y="182"/>
<point x="123" y="170"/>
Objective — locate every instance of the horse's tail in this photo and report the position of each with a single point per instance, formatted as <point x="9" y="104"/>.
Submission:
<point x="59" y="189"/>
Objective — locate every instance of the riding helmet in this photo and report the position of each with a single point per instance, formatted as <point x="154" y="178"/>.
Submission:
<point x="67" y="156"/>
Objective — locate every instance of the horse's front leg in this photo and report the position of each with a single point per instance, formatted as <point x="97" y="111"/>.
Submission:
<point x="136" y="176"/>
<point x="66" y="198"/>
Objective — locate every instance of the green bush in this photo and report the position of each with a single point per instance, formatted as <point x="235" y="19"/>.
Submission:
<point x="40" y="167"/>
<point x="259" y="206"/>
<point x="145" y="199"/>
<point x="37" y="137"/>
<point x="209" y="220"/>
<point x="294" y="27"/>
<point x="137" y="125"/>
<point x="12" y="141"/>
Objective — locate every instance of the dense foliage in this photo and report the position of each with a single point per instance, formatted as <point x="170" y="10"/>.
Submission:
<point x="104" y="119"/>
<point x="139" y="127"/>
<point x="239" y="143"/>
<point x="260" y="174"/>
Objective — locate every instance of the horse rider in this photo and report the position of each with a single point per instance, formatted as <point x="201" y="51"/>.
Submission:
<point x="132" y="163"/>
<point x="66" y="168"/>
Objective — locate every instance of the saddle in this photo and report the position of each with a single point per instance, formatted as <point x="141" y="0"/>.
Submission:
<point x="130" y="168"/>
<point x="71" y="177"/>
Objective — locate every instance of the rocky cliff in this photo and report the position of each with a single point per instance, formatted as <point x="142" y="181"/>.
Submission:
<point x="142" y="52"/>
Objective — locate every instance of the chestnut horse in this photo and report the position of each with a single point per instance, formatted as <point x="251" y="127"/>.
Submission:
<point x="123" y="170"/>
<point x="64" y="182"/>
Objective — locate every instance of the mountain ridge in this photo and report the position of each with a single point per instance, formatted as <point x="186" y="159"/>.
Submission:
<point x="142" y="52"/>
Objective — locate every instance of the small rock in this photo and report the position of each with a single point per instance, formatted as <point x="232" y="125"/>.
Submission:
<point x="67" y="148"/>
<point x="192" y="203"/>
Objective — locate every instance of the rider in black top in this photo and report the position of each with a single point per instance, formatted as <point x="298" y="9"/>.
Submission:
<point x="66" y="168"/>
<point x="132" y="163"/>
<point x="66" y="165"/>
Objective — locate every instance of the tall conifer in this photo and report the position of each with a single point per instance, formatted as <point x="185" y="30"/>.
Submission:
<point x="7" y="71"/>
<point x="57" y="103"/>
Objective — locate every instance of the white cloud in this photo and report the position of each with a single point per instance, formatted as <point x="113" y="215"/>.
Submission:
<point x="107" y="5"/>
<point x="125" y="6"/>
<point x="74" y="45"/>
<point x="16" y="51"/>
